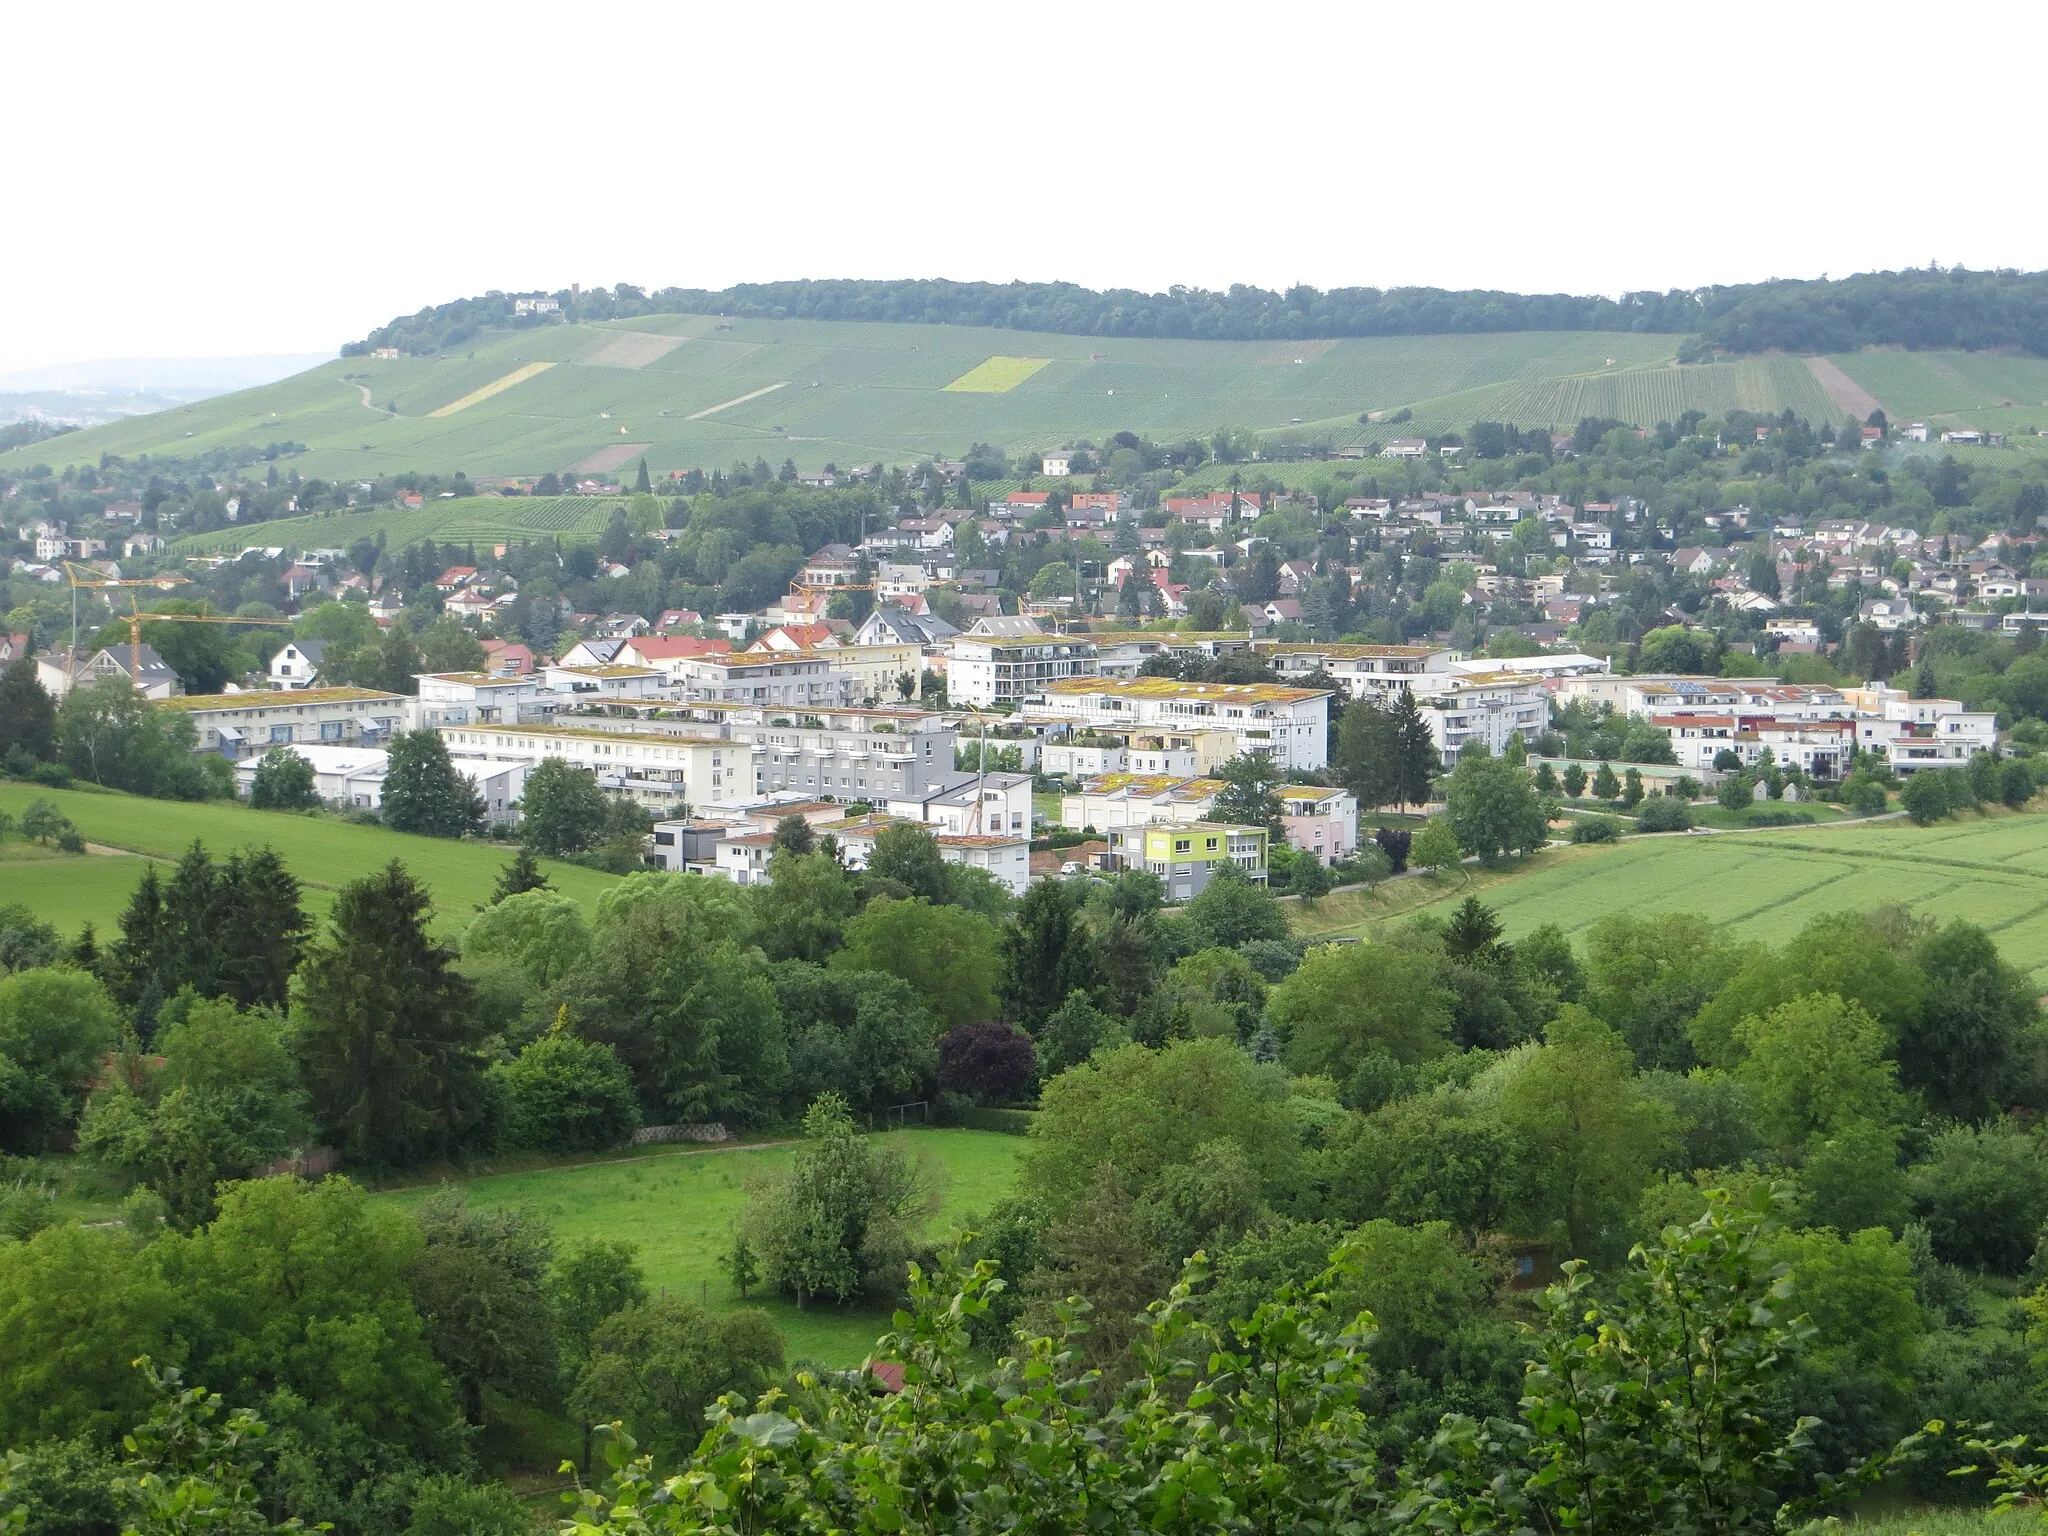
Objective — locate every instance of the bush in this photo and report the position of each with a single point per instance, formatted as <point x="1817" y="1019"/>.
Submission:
<point x="1780" y="818"/>
<point x="1736" y="792"/>
<point x="988" y="1060"/>
<point x="1595" y="829"/>
<point x="1864" y="794"/>
<point x="1661" y="813"/>
<point x="564" y="1093"/>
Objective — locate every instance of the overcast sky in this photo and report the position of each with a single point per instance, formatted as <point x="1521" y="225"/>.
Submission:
<point x="218" y="179"/>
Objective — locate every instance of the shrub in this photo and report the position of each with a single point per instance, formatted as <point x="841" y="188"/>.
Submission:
<point x="1595" y="829"/>
<point x="1983" y="1195"/>
<point x="564" y="1093"/>
<point x="989" y="1060"/>
<point x="1661" y="813"/>
<point x="1926" y="797"/>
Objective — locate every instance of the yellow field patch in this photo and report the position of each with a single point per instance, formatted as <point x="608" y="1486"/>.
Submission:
<point x="495" y="387"/>
<point x="997" y="376"/>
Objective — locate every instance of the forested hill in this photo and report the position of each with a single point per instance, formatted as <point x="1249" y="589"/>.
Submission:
<point x="1918" y="308"/>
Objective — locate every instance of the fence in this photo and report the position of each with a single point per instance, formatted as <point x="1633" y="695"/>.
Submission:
<point x="650" y="1134"/>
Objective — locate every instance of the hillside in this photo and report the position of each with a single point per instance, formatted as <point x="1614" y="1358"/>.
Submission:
<point x="693" y="391"/>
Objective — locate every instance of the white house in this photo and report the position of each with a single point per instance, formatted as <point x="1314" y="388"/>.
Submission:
<point x="1055" y="466"/>
<point x="297" y="665"/>
<point x="1405" y="448"/>
<point x="350" y="777"/>
<point x="968" y="804"/>
<point x="989" y="669"/>
<point x="652" y="768"/>
<point x="1292" y="724"/>
<point x="1487" y="707"/>
<point x="238" y="725"/>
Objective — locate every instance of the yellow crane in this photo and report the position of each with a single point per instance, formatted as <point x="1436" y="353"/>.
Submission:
<point x="135" y="618"/>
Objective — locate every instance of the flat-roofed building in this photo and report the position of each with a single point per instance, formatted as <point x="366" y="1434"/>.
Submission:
<point x="986" y="670"/>
<point x="1007" y="857"/>
<point x="483" y="698"/>
<point x="604" y="684"/>
<point x="785" y="680"/>
<point x="1291" y="724"/>
<point x="1319" y="821"/>
<point x="1491" y="708"/>
<point x="1371" y="672"/>
<point x="971" y="804"/>
<point x="650" y="768"/>
<point x="1185" y="857"/>
<point x="238" y="725"/>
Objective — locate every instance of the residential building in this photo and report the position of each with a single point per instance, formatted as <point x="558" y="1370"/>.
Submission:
<point x="1122" y="800"/>
<point x="482" y="698"/>
<point x="1185" y="857"/>
<point x="825" y="754"/>
<point x="1820" y="748"/>
<point x="1371" y="672"/>
<point x="1405" y="448"/>
<point x="655" y="769"/>
<point x="970" y="804"/>
<point x="1490" y="708"/>
<point x="349" y="777"/>
<point x="1007" y="858"/>
<point x="238" y="725"/>
<point x="890" y="624"/>
<point x="666" y="653"/>
<point x="297" y="665"/>
<point x="986" y="670"/>
<point x="1323" y="822"/>
<point x="604" y="685"/>
<point x="683" y="846"/>
<point x="804" y="681"/>
<point x="139" y="664"/>
<point x="1292" y="724"/>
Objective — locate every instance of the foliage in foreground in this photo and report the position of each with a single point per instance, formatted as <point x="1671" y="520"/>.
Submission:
<point x="1657" y="1409"/>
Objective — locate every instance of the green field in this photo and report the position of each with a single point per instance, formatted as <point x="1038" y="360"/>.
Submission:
<point x="324" y="853"/>
<point x="695" y="391"/>
<point x="1992" y="870"/>
<point x="1990" y="391"/>
<point x="679" y="1208"/>
<point x="482" y="520"/>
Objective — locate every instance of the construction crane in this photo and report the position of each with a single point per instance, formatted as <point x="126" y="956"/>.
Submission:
<point x="135" y="618"/>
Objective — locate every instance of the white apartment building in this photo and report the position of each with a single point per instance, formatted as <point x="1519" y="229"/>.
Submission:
<point x="654" y="769"/>
<point x="1007" y="857"/>
<point x="786" y="680"/>
<point x="1926" y="733"/>
<point x="350" y="777"/>
<point x="985" y="670"/>
<point x="1487" y="707"/>
<point x="1374" y="672"/>
<point x="1820" y="748"/>
<point x="971" y="805"/>
<point x="1120" y="800"/>
<point x="604" y="684"/>
<point x="1292" y="724"/>
<point x="482" y="698"/>
<point x="238" y="725"/>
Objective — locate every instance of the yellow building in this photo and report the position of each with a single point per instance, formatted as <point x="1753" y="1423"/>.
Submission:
<point x="1186" y="856"/>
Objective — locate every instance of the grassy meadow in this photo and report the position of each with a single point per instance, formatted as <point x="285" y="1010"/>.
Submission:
<point x="323" y="852"/>
<point x="1990" y="391"/>
<point x="1991" y="869"/>
<point x="696" y="391"/>
<point x="679" y="1206"/>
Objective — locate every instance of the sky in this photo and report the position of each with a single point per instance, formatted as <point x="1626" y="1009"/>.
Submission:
<point x="225" y="179"/>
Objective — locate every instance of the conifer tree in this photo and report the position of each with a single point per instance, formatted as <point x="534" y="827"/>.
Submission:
<point x="522" y="874"/>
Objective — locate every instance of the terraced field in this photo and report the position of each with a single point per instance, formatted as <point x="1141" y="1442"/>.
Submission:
<point x="1992" y="870"/>
<point x="483" y="519"/>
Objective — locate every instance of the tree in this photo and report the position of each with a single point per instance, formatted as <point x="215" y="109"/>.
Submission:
<point x="1963" y="1045"/>
<point x="1416" y="752"/>
<point x="990" y="1061"/>
<point x="805" y="906"/>
<point x="1814" y="1066"/>
<point x="1590" y="1136"/>
<point x="563" y="1093"/>
<point x="26" y="941"/>
<point x="521" y="875"/>
<point x="55" y="1029"/>
<point x="1925" y="796"/>
<point x="109" y="733"/>
<point x="1982" y="1193"/>
<point x="2016" y="782"/>
<point x="284" y="782"/>
<point x="423" y="793"/>
<point x="907" y="853"/>
<point x="305" y="1288"/>
<point x="387" y="1037"/>
<point x="843" y="1219"/>
<point x="479" y="1283"/>
<point x="1249" y="796"/>
<point x="659" y="1364"/>
<point x="28" y="715"/>
<point x="1735" y="792"/>
<point x="863" y="1034"/>
<point x="1574" y="780"/>
<point x="1474" y="932"/>
<point x="1147" y="1111"/>
<point x="1047" y="954"/>
<point x="542" y="932"/>
<point x="1492" y="810"/>
<point x="1349" y="1001"/>
<point x="1631" y="789"/>
<point x="948" y="956"/>
<point x="1436" y="846"/>
<point x="562" y="810"/>
<point x="1650" y="976"/>
<point x="794" y="835"/>
<point x="224" y="1103"/>
<point x="1605" y="785"/>
<point x="1233" y="909"/>
<point x="1368" y="756"/>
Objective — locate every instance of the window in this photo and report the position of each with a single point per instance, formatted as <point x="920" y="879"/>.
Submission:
<point x="1183" y="845"/>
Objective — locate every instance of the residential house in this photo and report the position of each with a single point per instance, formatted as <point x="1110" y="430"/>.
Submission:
<point x="239" y="725"/>
<point x="653" y="769"/>
<point x="1405" y="448"/>
<point x="297" y="664"/>
<point x="1006" y="857"/>
<point x="1319" y="821"/>
<point x="970" y="804"/>
<point x="1290" y="724"/>
<point x="893" y="624"/>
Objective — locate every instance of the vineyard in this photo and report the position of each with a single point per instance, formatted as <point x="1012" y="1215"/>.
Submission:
<point x="467" y="519"/>
<point x="1991" y="391"/>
